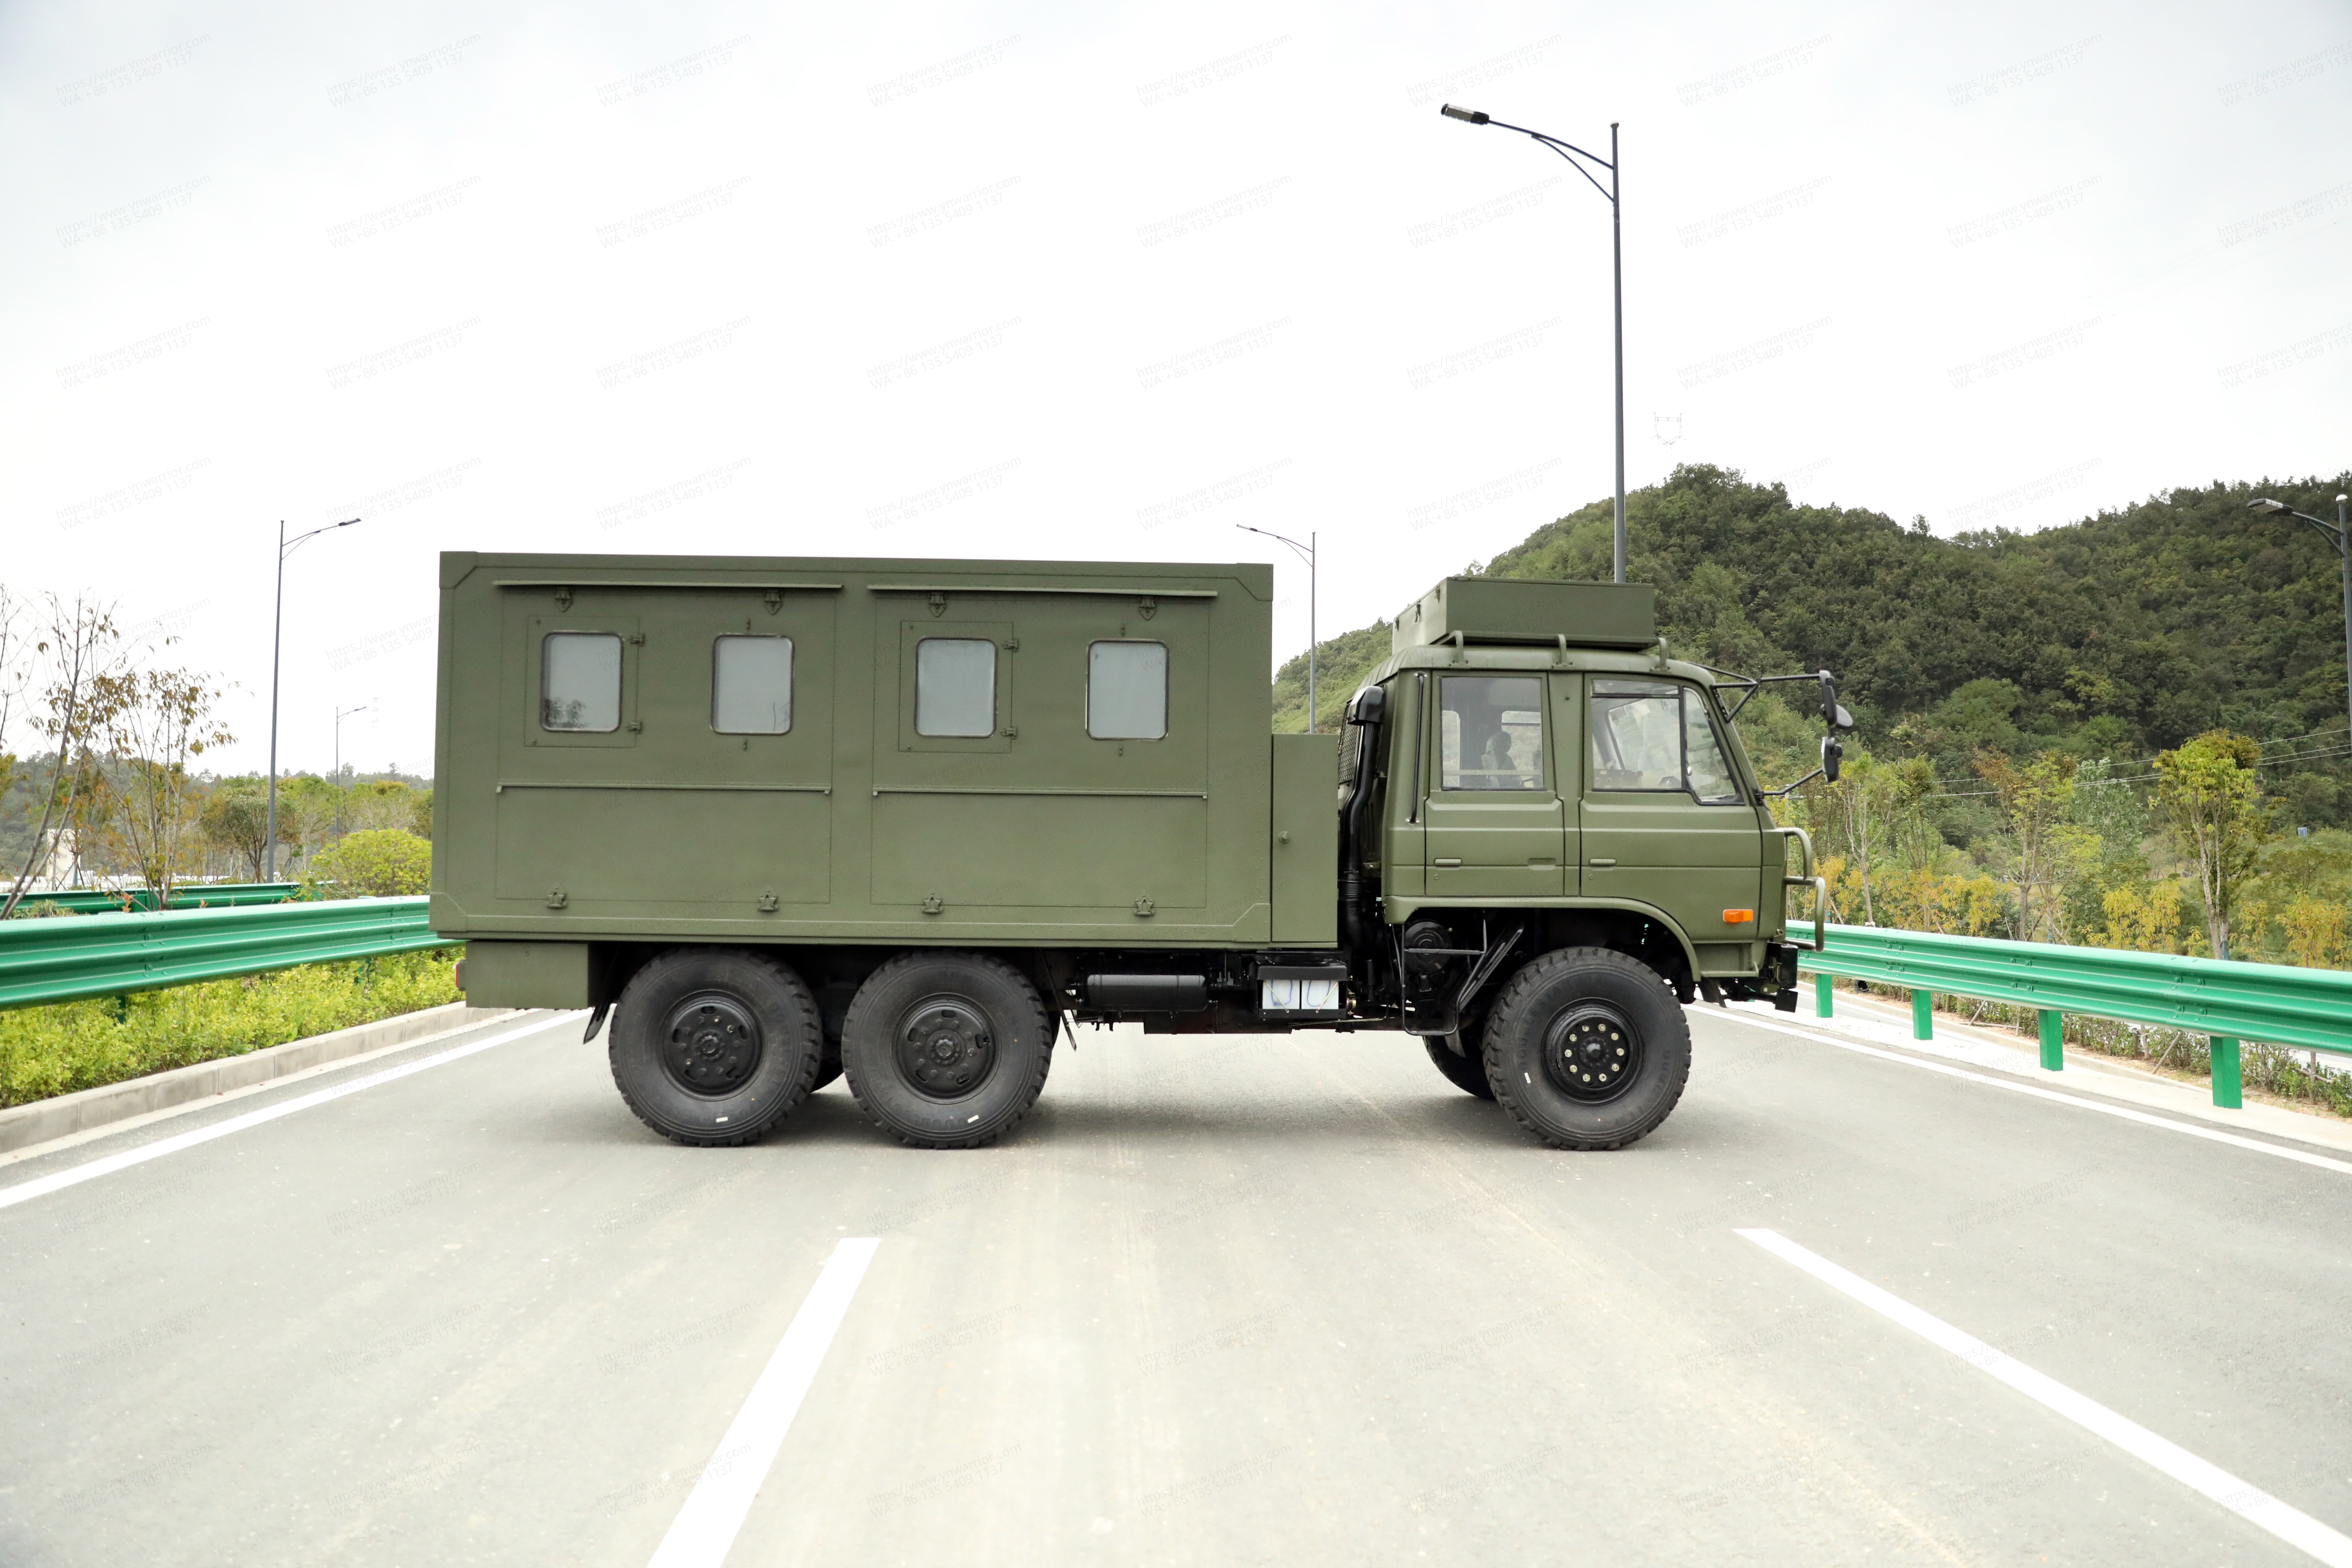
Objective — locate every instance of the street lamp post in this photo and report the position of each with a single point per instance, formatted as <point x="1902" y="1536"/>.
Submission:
<point x="1571" y="152"/>
<point x="341" y="714"/>
<point x="277" y="640"/>
<point x="2340" y="535"/>
<point x="1306" y="552"/>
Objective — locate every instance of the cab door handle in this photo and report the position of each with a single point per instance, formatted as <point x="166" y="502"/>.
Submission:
<point x="1448" y="860"/>
<point x="1601" y="860"/>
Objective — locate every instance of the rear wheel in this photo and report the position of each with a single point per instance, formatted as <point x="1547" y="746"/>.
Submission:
<point x="1465" y="1069"/>
<point x="1586" y="1048"/>
<point x="946" y="1050"/>
<point x="714" y="1045"/>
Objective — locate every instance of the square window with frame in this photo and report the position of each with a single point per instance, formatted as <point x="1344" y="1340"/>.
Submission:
<point x="1126" y="690"/>
<point x="580" y="683"/>
<point x="752" y="685"/>
<point x="955" y="687"/>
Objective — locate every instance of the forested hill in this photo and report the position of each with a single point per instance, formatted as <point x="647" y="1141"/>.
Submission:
<point x="2116" y="635"/>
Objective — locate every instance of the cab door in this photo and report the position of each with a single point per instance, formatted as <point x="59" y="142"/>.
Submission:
<point x="1666" y="822"/>
<point x="1496" y="818"/>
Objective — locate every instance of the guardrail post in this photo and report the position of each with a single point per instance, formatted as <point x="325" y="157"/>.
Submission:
<point x="2054" y="1040"/>
<point x="1825" y="992"/>
<point x="2229" y="1093"/>
<point x="1922" y="1015"/>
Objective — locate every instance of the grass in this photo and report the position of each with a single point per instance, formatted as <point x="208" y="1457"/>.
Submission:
<point x="46" y="1051"/>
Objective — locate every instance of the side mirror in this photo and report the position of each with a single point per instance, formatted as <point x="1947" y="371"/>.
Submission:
<point x="1833" y="757"/>
<point x="1845" y="721"/>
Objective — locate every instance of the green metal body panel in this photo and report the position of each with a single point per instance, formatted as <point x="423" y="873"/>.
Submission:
<point x="1306" y="851"/>
<point x="852" y="827"/>
<point x="43" y="961"/>
<point x="1525" y="610"/>
<point x="528" y="974"/>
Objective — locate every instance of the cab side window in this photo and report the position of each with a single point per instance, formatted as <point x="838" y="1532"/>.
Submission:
<point x="580" y="682"/>
<point x="1490" y="733"/>
<point x="1657" y="736"/>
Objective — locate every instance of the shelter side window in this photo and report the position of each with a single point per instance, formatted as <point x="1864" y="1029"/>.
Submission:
<point x="580" y="682"/>
<point x="955" y="686"/>
<point x="1126" y="690"/>
<point x="752" y="685"/>
<point x="1490" y="733"/>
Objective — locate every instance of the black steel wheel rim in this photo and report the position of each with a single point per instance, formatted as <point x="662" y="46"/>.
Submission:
<point x="946" y="1047"/>
<point x="1592" y="1053"/>
<point x="711" y="1045"/>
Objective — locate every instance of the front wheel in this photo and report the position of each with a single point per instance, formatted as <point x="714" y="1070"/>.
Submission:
<point x="1586" y="1048"/>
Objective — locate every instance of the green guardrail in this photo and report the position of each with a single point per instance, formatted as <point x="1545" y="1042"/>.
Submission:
<point x="2225" y="999"/>
<point x="188" y="896"/>
<point x="43" y="961"/>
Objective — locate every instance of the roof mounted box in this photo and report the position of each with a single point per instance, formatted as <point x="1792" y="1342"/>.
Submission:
<point x="1530" y="610"/>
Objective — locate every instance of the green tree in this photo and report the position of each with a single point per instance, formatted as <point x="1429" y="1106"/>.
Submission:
<point x="236" y="820"/>
<point x="153" y="724"/>
<point x="2211" y="801"/>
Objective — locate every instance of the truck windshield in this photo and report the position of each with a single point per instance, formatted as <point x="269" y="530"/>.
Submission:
<point x="1656" y="736"/>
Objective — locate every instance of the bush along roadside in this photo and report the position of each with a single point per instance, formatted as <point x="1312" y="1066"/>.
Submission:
<point x="46" y="1051"/>
<point x="2280" y="1072"/>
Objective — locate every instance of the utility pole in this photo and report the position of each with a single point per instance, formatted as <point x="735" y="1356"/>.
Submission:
<point x="2340" y="535"/>
<point x="1571" y="152"/>
<point x="276" y="640"/>
<point x="1306" y="552"/>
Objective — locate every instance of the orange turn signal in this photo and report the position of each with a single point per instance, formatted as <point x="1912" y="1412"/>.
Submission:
<point x="1737" y="917"/>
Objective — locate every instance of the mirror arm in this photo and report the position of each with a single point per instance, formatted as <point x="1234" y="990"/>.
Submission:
<point x="1784" y="789"/>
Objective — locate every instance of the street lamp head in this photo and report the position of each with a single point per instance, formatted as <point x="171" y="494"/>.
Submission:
<point x="2266" y="506"/>
<point x="1474" y="116"/>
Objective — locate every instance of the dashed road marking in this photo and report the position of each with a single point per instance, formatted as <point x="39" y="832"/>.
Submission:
<point x="2251" y="1503"/>
<point x="704" y="1530"/>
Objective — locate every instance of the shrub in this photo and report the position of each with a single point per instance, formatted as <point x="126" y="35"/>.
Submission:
<point x="376" y="863"/>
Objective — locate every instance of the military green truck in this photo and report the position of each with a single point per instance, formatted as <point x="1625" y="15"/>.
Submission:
<point x="907" y="821"/>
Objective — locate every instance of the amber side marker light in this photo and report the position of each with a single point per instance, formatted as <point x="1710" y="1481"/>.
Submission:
<point x="1737" y="917"/>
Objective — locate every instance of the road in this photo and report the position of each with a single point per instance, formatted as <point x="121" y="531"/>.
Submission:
<point x="1220" y="1301"/>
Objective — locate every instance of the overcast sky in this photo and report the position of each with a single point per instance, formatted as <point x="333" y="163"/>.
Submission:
<point x="1104" y="281"/>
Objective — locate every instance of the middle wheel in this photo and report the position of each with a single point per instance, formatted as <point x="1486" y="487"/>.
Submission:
<point x="946" y="1050"/>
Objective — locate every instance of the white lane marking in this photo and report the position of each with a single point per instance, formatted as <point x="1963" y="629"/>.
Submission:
<point x="24" y="1191"/>
<point x="2291" y="1525"/>
<point x="704" y="1530"/>
<point x="2212" y="1135"/>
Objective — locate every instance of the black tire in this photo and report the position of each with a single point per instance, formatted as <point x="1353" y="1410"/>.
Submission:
<point x="1586" y="1048"/>
<point x="714" y="1045"/>
<point x="946" y="1050"/>
<point x="1467" y="1072"/>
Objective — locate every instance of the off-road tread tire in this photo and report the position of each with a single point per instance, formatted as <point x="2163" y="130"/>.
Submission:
<point x="1667" y="1032"/>
<point x="801" y="1034"/>
<point x="1466" y="1072"/>
<point x="1026" y="1085"/>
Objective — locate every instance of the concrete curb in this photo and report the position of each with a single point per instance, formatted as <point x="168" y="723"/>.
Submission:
<point x="44" y="1119"/>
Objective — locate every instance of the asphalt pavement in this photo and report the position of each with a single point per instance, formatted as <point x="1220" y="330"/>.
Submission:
<point x="1219" y="1300"/>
